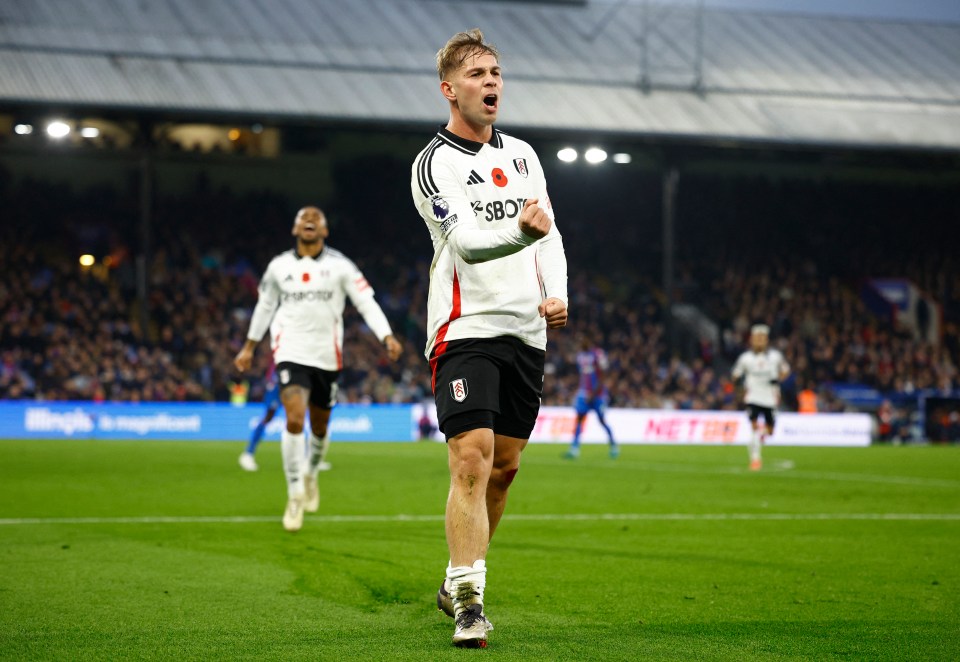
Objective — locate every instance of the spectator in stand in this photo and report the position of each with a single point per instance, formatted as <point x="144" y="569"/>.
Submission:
<point x="885" y="421"/>
<point x="807" y="400"/>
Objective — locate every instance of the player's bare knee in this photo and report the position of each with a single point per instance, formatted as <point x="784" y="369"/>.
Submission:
<point x="506" y="476"/>
<point x="471" y="464"/>
<point x="502" y="477"/>
<point x="294" y="427"/>
<point x="472" y="484"/>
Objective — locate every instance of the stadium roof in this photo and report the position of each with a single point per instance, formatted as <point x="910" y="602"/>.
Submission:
<point x="602" y="66"/>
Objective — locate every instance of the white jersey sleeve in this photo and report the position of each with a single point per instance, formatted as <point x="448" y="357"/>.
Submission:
<point x="453" y="220"/>
<point x="301" y="301"/>
<point x="487" y="278"/>
<point x="361" y="296"/>
<point x="739" y="367"/>
<point x="551" y="258"/>
<point x="268" y="300"/>
<point x="784" y="367"/>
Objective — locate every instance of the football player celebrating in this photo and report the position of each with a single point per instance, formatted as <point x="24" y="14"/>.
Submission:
<point x="302" y="296"/>
<point x="498" y="281"/>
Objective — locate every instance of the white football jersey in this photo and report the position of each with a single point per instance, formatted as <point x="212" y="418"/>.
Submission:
<point x="487" y="278"/>
<point x="301" y="301"/>
<point x="762" y="372"/>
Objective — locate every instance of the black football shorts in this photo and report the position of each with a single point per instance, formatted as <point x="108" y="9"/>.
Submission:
<point x="487" y="382"/>
<point x="322" y="384"/>
<point x="756" y="411"/>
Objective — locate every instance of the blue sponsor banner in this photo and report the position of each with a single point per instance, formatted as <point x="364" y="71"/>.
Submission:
<point x="188" y="421"/>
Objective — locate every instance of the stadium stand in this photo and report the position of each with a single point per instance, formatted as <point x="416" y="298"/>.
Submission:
<point x="825" y="100"/>
<point x="73" y="333"/>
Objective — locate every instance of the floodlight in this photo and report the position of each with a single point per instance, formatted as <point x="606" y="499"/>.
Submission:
<point x="567" y="155"/>
<point x="595" y="155"/>
<point x="58" y="129"/>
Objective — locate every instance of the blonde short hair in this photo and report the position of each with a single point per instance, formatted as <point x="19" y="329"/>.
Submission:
<point x="461" y="46"/>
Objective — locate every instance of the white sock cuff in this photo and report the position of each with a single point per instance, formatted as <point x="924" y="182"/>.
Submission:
<point x="455" y="571"/>
<point x="477" y="573"/>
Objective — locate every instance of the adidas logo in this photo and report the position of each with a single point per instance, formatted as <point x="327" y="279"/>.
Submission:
<point x="289" y="277"/>
<point x="474" y="178"/>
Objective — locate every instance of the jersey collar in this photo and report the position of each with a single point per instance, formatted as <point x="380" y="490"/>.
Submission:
<point x="316" y="257"/>
<point x="470" y="146"/>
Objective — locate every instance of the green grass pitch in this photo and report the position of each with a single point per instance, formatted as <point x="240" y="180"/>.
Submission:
<point x="167" y="550"/>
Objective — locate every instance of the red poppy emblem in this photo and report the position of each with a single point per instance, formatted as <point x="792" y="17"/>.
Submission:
<point x="499" y="178"/>
<point x="306" y="278"/>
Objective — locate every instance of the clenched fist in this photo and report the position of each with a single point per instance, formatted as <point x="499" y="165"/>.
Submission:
<point x="534" y="221"/>
<point x="554" y="311"/>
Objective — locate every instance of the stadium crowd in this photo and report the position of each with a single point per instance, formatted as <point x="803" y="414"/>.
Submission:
<point x="72" y="332"/>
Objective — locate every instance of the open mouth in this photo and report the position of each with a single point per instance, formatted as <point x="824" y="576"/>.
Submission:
<point x="310" y="227"/>
<point x="490" y="101"/>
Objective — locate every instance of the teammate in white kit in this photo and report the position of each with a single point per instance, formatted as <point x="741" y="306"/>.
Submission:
<point x="762" y="370"/>
<point x="498" y="281"/>
<point x="302" y="296"/>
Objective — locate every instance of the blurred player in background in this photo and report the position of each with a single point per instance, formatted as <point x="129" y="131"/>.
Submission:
<point x="426" y="425"/>
<point x="498" y="281"/>
<point x="592" y="394"/>
<point x="302" y="296"/>
<point x="762" y="369"/>
<point x="271" y="402"/>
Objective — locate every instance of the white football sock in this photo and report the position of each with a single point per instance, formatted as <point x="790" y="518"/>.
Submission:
<point x="467" y="583"/>
<point x="291" y="447"/>
<point x="754" y="446"/>
<point x="318" y="450"/>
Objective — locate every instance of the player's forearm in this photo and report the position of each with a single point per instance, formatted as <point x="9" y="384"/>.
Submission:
<point x="375" y="319"/>
<point x="260" y="321"/>
<point x="553" y="265"/>
<point x="475" y="245"/>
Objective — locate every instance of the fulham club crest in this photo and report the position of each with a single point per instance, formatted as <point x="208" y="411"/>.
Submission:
<point x="458" y="389"/>
<point x="521" y="166"/>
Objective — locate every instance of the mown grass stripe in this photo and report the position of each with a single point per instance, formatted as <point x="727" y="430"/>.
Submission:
<point x="544" y="517"/>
